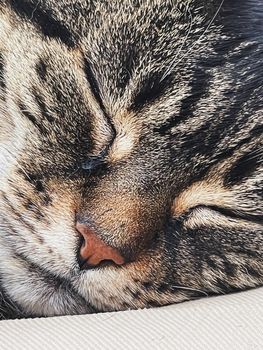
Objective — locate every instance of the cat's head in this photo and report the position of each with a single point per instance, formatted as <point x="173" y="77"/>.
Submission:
<point x="120" y="178"/>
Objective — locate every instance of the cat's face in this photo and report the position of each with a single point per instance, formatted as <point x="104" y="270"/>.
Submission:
<point x="117" y="129"/>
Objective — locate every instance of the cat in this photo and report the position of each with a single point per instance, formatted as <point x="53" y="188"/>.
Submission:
<point x="130" y="153"/>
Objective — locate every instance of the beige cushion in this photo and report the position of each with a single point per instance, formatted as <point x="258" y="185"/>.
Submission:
<point x="225" y="322"/>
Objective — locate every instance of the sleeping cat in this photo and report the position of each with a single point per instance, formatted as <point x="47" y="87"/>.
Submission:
<point x="130" y="153"/>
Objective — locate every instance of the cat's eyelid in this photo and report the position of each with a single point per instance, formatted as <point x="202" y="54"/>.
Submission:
<point x="203" y="216"/>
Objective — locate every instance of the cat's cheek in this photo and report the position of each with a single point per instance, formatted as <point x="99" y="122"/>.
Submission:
<point x="48" y="240"/>
<point x="37" y="294"/>
<point x="14" y="135"/>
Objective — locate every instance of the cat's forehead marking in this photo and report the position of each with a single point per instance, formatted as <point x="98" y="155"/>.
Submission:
<point x="128" y="130"/>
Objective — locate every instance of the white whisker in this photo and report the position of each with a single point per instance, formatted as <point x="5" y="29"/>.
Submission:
<point x="191" y="289"/>
<point x="175" y="64"/>
<point x="188" y="33"/>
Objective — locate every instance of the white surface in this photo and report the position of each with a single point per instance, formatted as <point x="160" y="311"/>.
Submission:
<point x="226" y="322"/>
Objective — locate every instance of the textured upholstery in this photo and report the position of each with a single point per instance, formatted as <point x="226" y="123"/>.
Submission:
<point x="226" y="322"/>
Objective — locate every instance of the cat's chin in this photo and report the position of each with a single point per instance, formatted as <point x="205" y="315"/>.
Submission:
<point x="111" y="288"/>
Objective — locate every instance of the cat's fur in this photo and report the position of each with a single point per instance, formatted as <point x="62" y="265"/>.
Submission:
<point x="166" y="97"/>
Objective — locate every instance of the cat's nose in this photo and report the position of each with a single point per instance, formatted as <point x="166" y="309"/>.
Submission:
<point x="94" y="251"/>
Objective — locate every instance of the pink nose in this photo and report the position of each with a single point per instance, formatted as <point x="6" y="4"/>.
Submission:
<point x="93" y="250"/>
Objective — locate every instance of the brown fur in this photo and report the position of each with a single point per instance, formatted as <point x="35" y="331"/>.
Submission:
<point x="141" y="120"/>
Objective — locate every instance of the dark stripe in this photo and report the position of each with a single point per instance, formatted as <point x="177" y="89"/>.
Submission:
<point x="41" y="69"/>
<point x="19" y="216"/>
<point x="31" y="118"/>
<point x="150" y="303"/>
<point x="10" y="228"/>
<point x="136" y="295"/>
<point x="228" y="268"/>
<point x="45" y="114"/>
<point x="35" y="181"/>
<point x="39" y="186"/>
<point x="147" y="285"/>
<point x="235" y="214"/>
<point x="200" y="85"/>
<point x="19" y="194"/>
<point x="127" y="62"/>
<point x="30" y="206"/>
<point x="211" y="263"/>
<point x="151" y="89"/>
<point x="213" y="134"/>
<point x="195" y="144"/>
<point x="229" y="152"/>
<point x="93" y="84"/>
<point x="57" y="283"/>
<point x="43" y="108"/>
<point x="43" y="18"/>
<point x="253" y="272"/>
<point x="245" y="166"/>
<point x="27" y="114"/>
<point x="162" y="288"/>
<point x="47" y="277"/>
<point x="225" y="287"/>
<point x="2" y="78"/>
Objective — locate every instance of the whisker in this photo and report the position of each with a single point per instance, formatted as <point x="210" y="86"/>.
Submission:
<point x="187" y="35"/>
<point x="191" y="289"/>
<point x="175" y="64"/>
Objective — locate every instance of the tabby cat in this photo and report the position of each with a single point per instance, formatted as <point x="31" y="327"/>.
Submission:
<point x="130" y="153"/>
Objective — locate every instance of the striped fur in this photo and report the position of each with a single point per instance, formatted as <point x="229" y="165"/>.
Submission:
<point x="144" y="118"/>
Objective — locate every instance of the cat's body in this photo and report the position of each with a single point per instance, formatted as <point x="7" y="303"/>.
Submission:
<point x="141" y="120"/>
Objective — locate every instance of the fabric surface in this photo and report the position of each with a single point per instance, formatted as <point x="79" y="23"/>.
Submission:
<point x="225" y="322"/>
